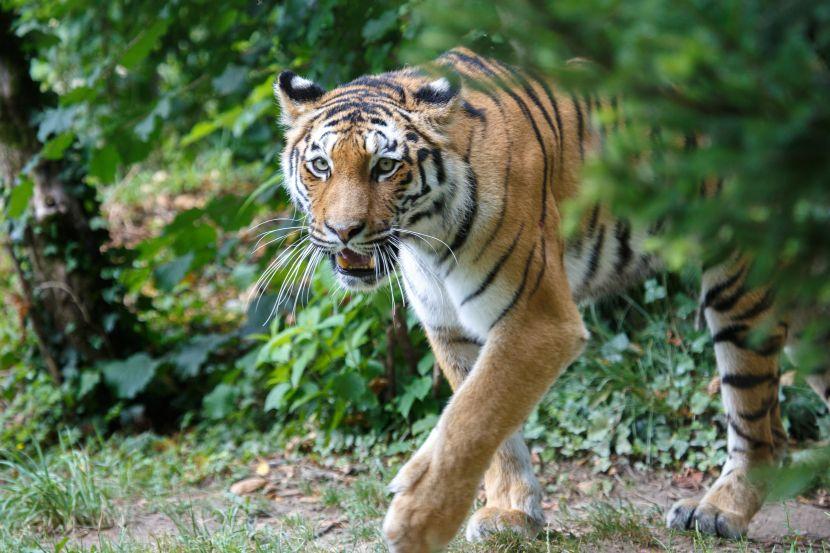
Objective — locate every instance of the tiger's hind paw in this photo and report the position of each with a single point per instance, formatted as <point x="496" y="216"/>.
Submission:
<point x="688" y="514"/>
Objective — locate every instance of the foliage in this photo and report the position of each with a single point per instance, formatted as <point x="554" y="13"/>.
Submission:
<point x="336" y="366"/>
<point x="60" y="495"/>
<point x="155" y="83"/>
<point x="732" y="91"/>
<point x="159" y="103"/>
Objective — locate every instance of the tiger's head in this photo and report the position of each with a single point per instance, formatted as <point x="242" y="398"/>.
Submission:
<point x="363" y="162"/>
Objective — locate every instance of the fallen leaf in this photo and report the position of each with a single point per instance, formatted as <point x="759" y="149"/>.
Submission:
<point x="248" y="485"/>
<point x="262" y="468"/>
<point x="689" y="479"/>
<point x="328" y="525"/>
<point x="714" y="386"/>
<point x="588" y="487"/>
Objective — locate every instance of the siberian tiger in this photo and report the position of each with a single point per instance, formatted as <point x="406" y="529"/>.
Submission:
<point x="456" y="180"/>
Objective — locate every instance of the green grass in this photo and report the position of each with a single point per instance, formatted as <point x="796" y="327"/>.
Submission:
<point x="59" y="490"/>
<point x="51" y="500"/>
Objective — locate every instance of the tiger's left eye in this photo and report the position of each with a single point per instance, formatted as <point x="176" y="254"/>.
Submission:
<point x="386" y="164"/>
<point x="320" y="165"/>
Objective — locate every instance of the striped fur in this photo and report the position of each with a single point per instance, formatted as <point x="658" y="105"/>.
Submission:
<point x="484" y="156"/>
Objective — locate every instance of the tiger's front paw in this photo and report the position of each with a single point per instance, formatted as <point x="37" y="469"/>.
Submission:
<point x="688" y="514"/>
<point x="491" y="520"/>
<point x="427" y="508"/>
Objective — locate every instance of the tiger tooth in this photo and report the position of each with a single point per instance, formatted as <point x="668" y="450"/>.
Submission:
<point x="372" y="262"/>
<point x="341" y="262"/>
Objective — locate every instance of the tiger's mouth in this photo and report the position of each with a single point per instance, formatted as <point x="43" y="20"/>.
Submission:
<point x="352" y="263"/>
<point x="360" y="271"/>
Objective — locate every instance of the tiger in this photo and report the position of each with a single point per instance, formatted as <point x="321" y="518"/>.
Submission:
<point x="452" y="175"/>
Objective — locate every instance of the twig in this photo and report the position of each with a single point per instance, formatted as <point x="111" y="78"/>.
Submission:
<point x="55" y="285"/>
<point x="51" y="364"/>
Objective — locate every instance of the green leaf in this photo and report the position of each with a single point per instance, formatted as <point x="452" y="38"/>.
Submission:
<point x="375" y="29"/>
<point x="89" y="379"/>
<point x="348" y="386"/>
<point x="78" y="94"/>
<point x="301" y="363"/>
<point x="231" y="79"/>
<point x="190" y="357"/>
<point x="169" y="274"/>
<point x="19" y="197"/>
<point x="129" y="376"/>
<point x="221" y="402"/>
<point x="143" y="44"/>
<point x="56" y="121"/>
<point x="54" y="148"/>
<point x="276" y="397"/>
<point x="199" y="131"/>
<point x="104" y="163"/>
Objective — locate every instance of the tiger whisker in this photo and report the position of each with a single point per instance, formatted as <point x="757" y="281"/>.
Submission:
<point x="273" y="220"/>
<point x="424" y="236"/>
<point x="271" y="270"/>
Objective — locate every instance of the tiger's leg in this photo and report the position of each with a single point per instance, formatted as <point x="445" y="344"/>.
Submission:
<point x="524" y="353"/>
<point x="749" y="391"/>
<point x="514" y="497"/>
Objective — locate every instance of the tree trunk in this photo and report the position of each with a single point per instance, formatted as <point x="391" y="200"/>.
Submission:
<point x="74" y="306"/>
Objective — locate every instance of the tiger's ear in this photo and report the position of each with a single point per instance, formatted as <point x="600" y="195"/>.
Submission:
<point x="438" y="99"/>
<point x="296" y="95"/>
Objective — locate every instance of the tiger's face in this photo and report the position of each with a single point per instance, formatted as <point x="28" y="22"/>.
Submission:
<point x="355" y="163"/>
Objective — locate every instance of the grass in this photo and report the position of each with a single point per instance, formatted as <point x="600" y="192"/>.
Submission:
<point x="59" y="490"/>
<point x="58" y="501"/>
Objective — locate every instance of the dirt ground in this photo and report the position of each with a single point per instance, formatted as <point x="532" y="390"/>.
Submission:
<point x="295" y="488"/>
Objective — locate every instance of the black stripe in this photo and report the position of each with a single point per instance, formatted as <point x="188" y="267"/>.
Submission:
<point x="622" y="232"/>
<point x="713" y="293"/>
<point x="736" y="335"/>
<point x="350" y="106"/>
<point x="528" y="88"/>
<point x="439" y="165"/>
<point x="593" y="262"/>
<point x="430" y="211"/>
<point x="526" y="111"/>
<point x="555" y="105"/>
<point x="543" y="268"/>
<point x="728" y="302"/>
<point x="580" y="127"/>
<point x="761" y="306"/>
<point x="733" y="334"/>
<point x="753" y="442"/>
<point x="377" y="82"/>
<point x="747" y="381"/>
<point x="556" y="130"/>
<point x="473" y="111"/>
<point x="466" y="223"/>
<point x="519" y="291"/>
<point x="758" y="414"/>
<point x="592" y="224"/>
<point x="422" y="155"/>
<point x="491" y="275"/>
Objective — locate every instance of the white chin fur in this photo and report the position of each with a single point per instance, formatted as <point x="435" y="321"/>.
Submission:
<point x="359" y="285"/>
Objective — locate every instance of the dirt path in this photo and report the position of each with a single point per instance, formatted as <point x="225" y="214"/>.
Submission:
<point x="339" y="505"/>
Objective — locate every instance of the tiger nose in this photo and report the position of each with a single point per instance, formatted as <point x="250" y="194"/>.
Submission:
<point x="346" y="232"/>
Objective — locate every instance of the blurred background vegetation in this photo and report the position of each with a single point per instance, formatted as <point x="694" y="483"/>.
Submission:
<point x="141" y="150"/>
